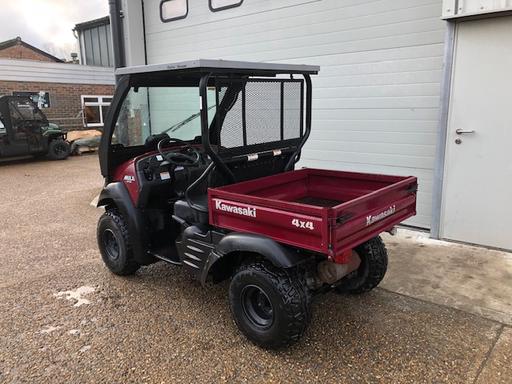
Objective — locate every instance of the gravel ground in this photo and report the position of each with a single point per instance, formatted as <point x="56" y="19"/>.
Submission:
<point x="65" y="319"/>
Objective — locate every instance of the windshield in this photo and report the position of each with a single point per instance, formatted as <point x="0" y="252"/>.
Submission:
<point x="25" y="109"/>
<point x="149" y="111"/>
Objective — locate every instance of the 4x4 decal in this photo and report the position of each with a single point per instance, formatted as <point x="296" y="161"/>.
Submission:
<point x="303" y="224"/>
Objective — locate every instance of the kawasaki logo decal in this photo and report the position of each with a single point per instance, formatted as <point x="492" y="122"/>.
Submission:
<point x="248" y="211"/>
<point x="372" y="219"/>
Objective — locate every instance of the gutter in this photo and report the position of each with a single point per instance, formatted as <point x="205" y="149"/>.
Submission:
<point x="116" y="23"/>
<point x="144" y="32"/>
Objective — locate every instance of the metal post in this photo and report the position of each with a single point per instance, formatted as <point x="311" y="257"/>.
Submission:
<point x="446" y="83"/>
<point x="205" y="133"/>
<point x="309" y="106"/>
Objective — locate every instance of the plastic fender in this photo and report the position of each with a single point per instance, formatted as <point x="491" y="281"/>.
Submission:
<point x="272" y="251"/>
<point x="117" y="194"/>
<point x="53" y="130"/>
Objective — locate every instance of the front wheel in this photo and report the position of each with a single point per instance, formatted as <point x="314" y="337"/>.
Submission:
<point x="58" y="149"/>
<point x="271" y="306"/>
<point x="114" y="245"/>
<point x="371" y="271"/>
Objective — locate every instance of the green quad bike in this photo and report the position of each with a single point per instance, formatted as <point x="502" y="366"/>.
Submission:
<point x="25" y="131"/>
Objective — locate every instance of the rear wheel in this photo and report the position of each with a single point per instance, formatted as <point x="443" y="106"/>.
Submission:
<point x="114" y="245"/>
<point x="371" y="271"/>
<point x="271" y="306"/>
<point x="58" y="149"/>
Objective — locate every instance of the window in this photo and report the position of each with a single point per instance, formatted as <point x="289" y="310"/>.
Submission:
<point x="219" y="5"/>
<point x="173" y="110"/>
<point x="25" y="109"/>
<point x="95" y="110"/>
<point x="3" y="131"/>
<point x="171" y="10"/>
<point x="41" y="98"/>
<point x="22" y="112"/>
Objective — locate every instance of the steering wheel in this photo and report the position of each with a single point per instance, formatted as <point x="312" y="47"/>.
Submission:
<point x="177" y="158"/>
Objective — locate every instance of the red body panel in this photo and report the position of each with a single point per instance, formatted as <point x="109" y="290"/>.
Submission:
<point x="361" y="206"/>
<point x="126" y="174"/>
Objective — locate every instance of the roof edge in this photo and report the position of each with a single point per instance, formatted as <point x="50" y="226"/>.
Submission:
<point x="105" y="20"/>
<point x="203" y="64"/>
<point x="18" y="40"/>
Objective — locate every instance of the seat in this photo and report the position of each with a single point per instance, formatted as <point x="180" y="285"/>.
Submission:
<point x="183" y="210"/>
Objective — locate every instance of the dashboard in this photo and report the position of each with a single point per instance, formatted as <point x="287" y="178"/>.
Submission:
<point x="158" y="176"/>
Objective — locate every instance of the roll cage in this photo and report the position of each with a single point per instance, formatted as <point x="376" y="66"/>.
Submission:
<point x="230" y="76"/>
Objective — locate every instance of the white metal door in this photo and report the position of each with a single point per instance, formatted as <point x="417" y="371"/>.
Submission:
<point x="477" y="206"/>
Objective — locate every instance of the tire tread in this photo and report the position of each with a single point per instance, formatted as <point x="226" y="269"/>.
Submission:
<point x="292" y="287"/>
<point x="377" y="256"/>
<point x="51" y="153"/>
<point x="131" y="266"/>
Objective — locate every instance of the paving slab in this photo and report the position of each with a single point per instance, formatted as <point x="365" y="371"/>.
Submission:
<point x="498" y="367"/>
<point x="473" y="279"/>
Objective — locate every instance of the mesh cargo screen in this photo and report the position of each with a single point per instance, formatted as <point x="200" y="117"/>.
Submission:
<point x="261" y="114"/>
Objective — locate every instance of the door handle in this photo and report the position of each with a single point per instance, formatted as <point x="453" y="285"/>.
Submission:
<point x="463" y="132"/>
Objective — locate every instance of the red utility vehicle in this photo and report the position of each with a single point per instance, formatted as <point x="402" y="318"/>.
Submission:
<point x="211" y="185"/>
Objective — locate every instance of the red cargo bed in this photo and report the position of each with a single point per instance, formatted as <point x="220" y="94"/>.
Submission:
<point x="330" y="212"/>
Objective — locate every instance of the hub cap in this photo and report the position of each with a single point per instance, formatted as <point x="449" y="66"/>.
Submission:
<point x="257" y="306"/>
<point x="110" y="244"/>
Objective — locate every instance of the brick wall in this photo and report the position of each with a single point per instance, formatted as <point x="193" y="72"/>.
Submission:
<point x="65" y="99"/>
<point x="20" y="52"/>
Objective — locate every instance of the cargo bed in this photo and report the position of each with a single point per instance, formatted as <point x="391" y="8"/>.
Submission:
<point x="329" y="212"/>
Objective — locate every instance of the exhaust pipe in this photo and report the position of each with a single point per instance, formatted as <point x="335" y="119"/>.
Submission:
<point x="329" y="272"/>
<point x="393" y="231"/>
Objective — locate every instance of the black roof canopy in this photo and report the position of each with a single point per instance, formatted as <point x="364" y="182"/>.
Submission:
<point x="202" y="66"/>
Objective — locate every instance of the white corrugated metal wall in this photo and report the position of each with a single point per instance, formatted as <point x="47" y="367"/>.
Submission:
<point x="376" y="101"/>
<point x="26" y="70"/>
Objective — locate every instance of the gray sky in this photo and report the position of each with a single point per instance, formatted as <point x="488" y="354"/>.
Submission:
<point x="48" y="24"/>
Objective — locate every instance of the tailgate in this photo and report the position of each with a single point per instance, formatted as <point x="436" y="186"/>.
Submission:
<point x="363" y="218"/>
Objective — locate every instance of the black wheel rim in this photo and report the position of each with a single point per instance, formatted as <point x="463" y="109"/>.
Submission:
<point x="257" y="306"/>
<point x="59" y="149"/>
<point x="110" y="244"/>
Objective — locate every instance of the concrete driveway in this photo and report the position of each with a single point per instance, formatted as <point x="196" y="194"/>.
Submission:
<point x="441" y="315"/>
